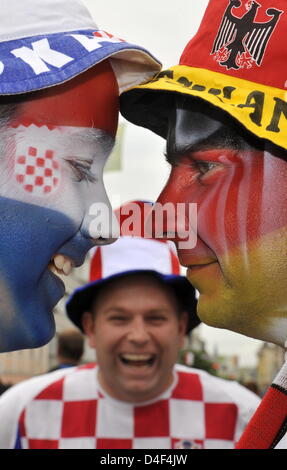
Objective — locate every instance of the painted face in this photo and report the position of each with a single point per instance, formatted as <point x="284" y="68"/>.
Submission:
<point x="137" y="334"/>
<point x="52" y="156"/>
<point x="239" y="185"/>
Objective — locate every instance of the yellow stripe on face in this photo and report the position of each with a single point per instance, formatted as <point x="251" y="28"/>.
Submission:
<point x="261" y="109"/>
<point x="248" y="292"/>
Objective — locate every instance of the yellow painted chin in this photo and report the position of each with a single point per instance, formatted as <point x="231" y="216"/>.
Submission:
<point x="246" y="291"/>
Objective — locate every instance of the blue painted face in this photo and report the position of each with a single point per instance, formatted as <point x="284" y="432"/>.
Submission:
<point x="50" y="176"/>
<point x="29" y="290"/>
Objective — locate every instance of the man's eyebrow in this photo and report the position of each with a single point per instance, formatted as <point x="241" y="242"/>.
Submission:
<point x="115" y="310"/>
<point x="157" y="311"/>
<point x="219" y="140"/>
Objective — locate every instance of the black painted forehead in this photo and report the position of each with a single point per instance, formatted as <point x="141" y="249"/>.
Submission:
<point x="195" y="122"/>
<point x="196" y="125"/>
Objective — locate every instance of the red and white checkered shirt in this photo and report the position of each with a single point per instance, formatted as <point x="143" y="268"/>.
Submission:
<point x="71" y="412"/>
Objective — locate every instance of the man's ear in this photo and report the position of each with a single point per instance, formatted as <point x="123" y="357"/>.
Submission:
<point x="88" y="323"/>
<point x="182" y="326"/>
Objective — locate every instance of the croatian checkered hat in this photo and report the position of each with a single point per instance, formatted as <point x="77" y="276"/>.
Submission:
<point x="132" y="250"/>
<point x="47" y="42"/>
<point x="131" y="255"/>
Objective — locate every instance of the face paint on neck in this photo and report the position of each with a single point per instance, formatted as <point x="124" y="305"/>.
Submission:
<point x="89" y="100"/>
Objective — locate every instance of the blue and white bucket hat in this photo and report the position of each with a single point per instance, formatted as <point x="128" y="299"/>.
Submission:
<point x="44" y="43"/>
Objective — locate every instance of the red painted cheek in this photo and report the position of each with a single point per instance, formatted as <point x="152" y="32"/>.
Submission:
<point x="37" y="171"/>
<point x="89" y="100"/>
<point x="242" y="203"/>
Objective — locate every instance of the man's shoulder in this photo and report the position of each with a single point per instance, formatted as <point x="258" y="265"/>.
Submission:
<point x="15" y="400"/>
<point x="216" y="389"/>
<point x="70" y="384"/>
<point x="18" y="396"/>
<point x="22" y="392"/>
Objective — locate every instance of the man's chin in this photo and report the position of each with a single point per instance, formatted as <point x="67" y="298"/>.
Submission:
<point x="27" y="322"/>
<point x="248" y="319"/>
<point x="27" y="331"/>
<point x="218" y="311"/>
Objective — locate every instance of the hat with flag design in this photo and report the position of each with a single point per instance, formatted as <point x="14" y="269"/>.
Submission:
<point x="237" y="62"/>
<point x="45" y="43"/>
<point x="131" y="256"/>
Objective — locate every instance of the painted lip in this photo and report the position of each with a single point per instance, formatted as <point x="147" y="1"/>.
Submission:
<point x="55" y="287"/>
<point x="198" y="268"/>
<point x="78" y="248"/>
<point x="57" y="278"/>
<point x="195" y="258"/>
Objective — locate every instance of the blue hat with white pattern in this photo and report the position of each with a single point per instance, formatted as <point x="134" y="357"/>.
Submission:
<point x="47" y="42"/>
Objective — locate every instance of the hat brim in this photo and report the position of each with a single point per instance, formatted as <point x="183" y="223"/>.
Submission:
<point x="261" y="109"/>
<point x="82" y="299"/>
<point x="38" y="62"/>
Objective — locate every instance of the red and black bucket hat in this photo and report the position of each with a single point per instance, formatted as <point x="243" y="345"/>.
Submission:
<point x="235" y="62"/>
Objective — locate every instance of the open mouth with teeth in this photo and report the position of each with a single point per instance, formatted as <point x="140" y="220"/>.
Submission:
<point x="61" y="264"/>
<point x="138" y="360"/>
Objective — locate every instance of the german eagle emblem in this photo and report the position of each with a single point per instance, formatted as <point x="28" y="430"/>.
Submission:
<point x="242" y="41"/>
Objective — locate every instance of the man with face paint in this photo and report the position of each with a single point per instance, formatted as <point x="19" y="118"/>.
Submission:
<point x="60" y="79"/>
<point x="223" y="112"/>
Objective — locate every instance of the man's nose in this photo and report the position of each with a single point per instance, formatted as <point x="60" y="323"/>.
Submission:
<point x="173" y="218"/>
<point x="138" y="333"/>
<point x="99" y="222"/>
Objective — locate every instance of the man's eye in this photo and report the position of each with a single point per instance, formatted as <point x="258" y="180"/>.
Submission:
<point x="203" y="167"/>
<point x="118" y="318"/>
<point x="82" y="170"/>
<point x="200" y="166"/>
<point x="157" y="319"/>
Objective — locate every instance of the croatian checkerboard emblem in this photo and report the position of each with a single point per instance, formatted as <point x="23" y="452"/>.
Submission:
<point x="241" y="41"/>
<point x="187" y="444"/>
<point x="37" y="171"/>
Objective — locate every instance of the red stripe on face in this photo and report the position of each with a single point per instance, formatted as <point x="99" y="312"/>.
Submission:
<point x="88" y="100"/>
<point x="242" y="201"/>
<point x="255" y="210"/>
